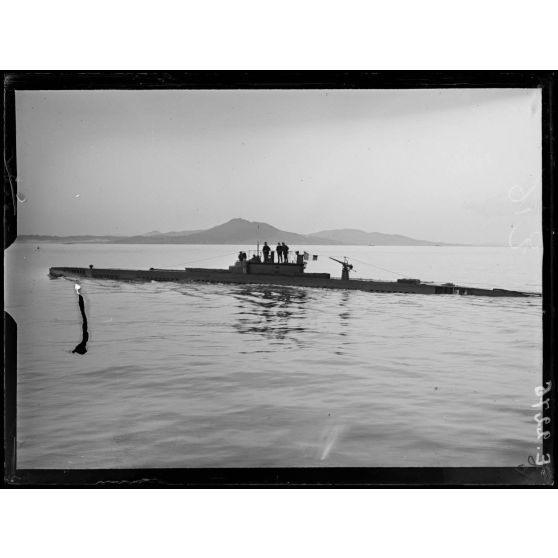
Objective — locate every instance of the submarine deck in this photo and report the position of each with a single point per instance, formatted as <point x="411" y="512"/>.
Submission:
<point x="316" y="280"/>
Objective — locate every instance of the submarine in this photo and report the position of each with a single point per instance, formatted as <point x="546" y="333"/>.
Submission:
<point x="290" y="273"/>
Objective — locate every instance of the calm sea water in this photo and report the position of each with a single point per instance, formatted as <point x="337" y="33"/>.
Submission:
<point x="251" y="376"/>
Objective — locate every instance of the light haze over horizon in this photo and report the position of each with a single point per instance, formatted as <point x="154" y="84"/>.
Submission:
<point x="448" y="165"/>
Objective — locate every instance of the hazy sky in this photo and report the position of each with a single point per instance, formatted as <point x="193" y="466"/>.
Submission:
<point x="442" y="164"/>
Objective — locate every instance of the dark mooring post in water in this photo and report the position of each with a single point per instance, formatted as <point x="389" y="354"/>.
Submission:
<point x="81" y="348"/>
<point x="346" y="268"/>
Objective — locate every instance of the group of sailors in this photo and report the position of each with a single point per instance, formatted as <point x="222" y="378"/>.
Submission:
<point x="282" y="251"/>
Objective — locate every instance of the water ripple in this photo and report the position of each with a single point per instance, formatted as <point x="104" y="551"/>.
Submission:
<point x="254" y="376"/>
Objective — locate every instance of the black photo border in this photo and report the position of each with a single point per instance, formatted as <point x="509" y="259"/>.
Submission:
<point x="310" y="477"/>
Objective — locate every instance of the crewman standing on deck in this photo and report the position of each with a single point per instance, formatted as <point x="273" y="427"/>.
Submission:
<point x="279" y="251"/>
<point x="285" y="253"/>
<point x="266" y="249"/>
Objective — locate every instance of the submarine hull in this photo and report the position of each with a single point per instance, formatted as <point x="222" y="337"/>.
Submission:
<point x="314" y="280"/>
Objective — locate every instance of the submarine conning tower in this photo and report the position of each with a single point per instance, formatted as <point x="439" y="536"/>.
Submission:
<point x="257" y="268"/>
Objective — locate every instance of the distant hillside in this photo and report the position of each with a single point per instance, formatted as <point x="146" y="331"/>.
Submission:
<point x="181" y="233"/>
<point x="171" y="233"/>
<point x="241" y="231"/>
<point x="77" y="239"/>
<point x="358" y="237"/>
<point x="156" y="237"/>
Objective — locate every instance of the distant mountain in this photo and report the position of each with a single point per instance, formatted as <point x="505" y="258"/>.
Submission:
<point x="156" y="237"/>
<point x="171" y="233"/>
<point x="241" y="231"/>
<point x="83" y="238"/>
<point x="181" y="233"/>
<point x="358" y="237"/>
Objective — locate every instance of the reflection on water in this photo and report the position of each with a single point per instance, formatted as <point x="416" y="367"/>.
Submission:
<point x="345" y="315"/>
<point x="344" y="321"/>
<point x="212" y="375"/>
<point x="276" y="312"/>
